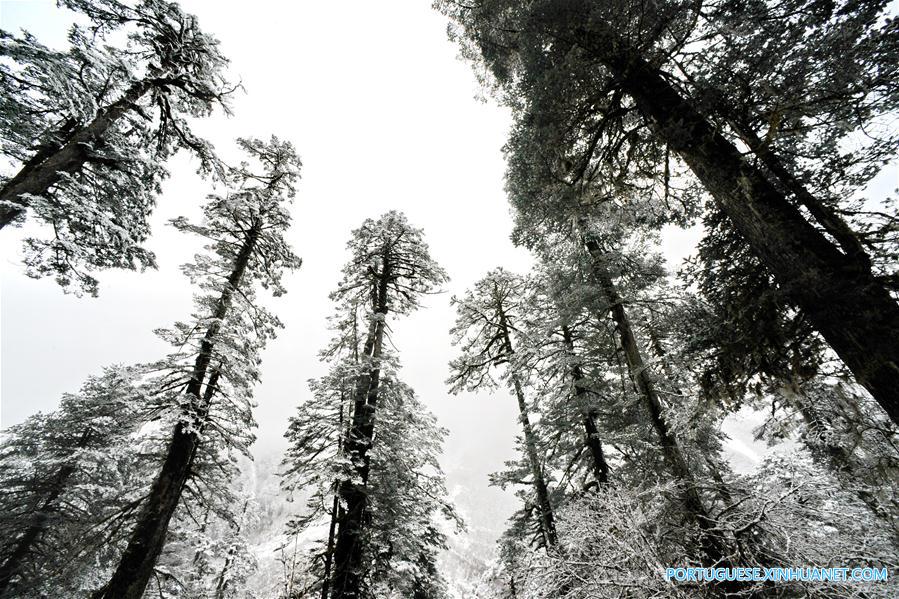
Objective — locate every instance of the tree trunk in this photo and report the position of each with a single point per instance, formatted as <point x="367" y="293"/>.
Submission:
<point x="348" y="550"/>
<point x="713" y="548"/>
<point x="547" y="520"/>
<point x="66" y="154"/>
<point x="336" y="512"/>
<point x="825" y="215"/>
<point x="222" y="583"/>
<point x="329" y="552"/>
<point x="148" y="538"/>
<point x="591" y="433"/>
<point x="846" y="304"/>
<point x="21" y="554"/>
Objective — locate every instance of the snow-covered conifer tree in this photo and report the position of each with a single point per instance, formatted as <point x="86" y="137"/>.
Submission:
<point x="206" y="385"/>
<point x="405" y="490"/>
<point x="69" y="480"/>
<point x="90" y="128"/>
<point x="390" y="268"/>
<point x="613" y="105"/>
<point x="488" y="318"/>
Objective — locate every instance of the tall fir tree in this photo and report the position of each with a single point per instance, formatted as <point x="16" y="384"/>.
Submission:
<point x="602" y="97"/>
<point x="208" y="381"/>
<point x="390" y="268"/>
<point x="488" y="317"/>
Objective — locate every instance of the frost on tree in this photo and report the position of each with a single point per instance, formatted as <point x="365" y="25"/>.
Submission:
<point x="611" y="536"/>
<point x="611" y="101"/>
<point x="69" y="480"/>
<point x="568" y="373"/>
<point x="406" y="510"/>
<point x="89" y="130"/>
<point x="207" y="383"/>
<point x="488" y="318"/>
<point x="389" y="270"/>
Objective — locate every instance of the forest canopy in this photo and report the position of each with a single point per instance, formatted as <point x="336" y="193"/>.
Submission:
<point x="322" y="427"/>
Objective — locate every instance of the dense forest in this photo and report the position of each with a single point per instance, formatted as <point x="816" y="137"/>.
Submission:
<point x="759" y="123"/>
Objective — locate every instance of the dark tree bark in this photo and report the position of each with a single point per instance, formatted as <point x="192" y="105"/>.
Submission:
<point x="348" y="550"/>
<point x="594" y="444"/>
<point x="148" y="538"/>
<point x="69" y="150"/>
<point x="829" y="220"/>
<point x="24" y="546"/>
<point x="713" y="548"/>
<point x="851" y="309"/>
<point x="591" y="433"/>
<point x="336" y="514"/>
<point x="329" y="551"/>
<point x="222" y="582"/>
<point x="547" y="519"/>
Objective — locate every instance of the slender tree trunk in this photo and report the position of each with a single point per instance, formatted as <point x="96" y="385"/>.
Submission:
<point x="547" y="519"/>
<point x="348" y="550"/>
<point x="591" y="433"/>
<point x="66" y="154"/>
<point x="13" y="565"/>
<point x="846" y="304"/>
<point x="288" y="584"/>
<point x="335" y="508"/>
<point x="222" y="583"/>
<point x="594" y="444"/>
<point x="713" y="548"/>
<point x="329" y="553"/>
<point x="148" y="538"/>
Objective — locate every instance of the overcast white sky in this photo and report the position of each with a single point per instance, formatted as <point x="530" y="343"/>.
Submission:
<point x="384" y="116"/>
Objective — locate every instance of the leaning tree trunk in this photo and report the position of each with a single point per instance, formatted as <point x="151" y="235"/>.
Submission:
<point x="714" y="550"/>
<point x="547" y="520"/>
<point x="222" y="583"/>
<point x="17" y="560"/>
<point x="67" y="153"/>
<point x="591" y="433"/>
<point x="824" y="214"/>
<point x="849" y="307"/>
<point x="148" y="538"/>
<point x="348" y="550"/>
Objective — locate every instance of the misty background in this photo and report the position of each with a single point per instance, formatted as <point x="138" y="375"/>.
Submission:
<point x="385" y="116"/>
